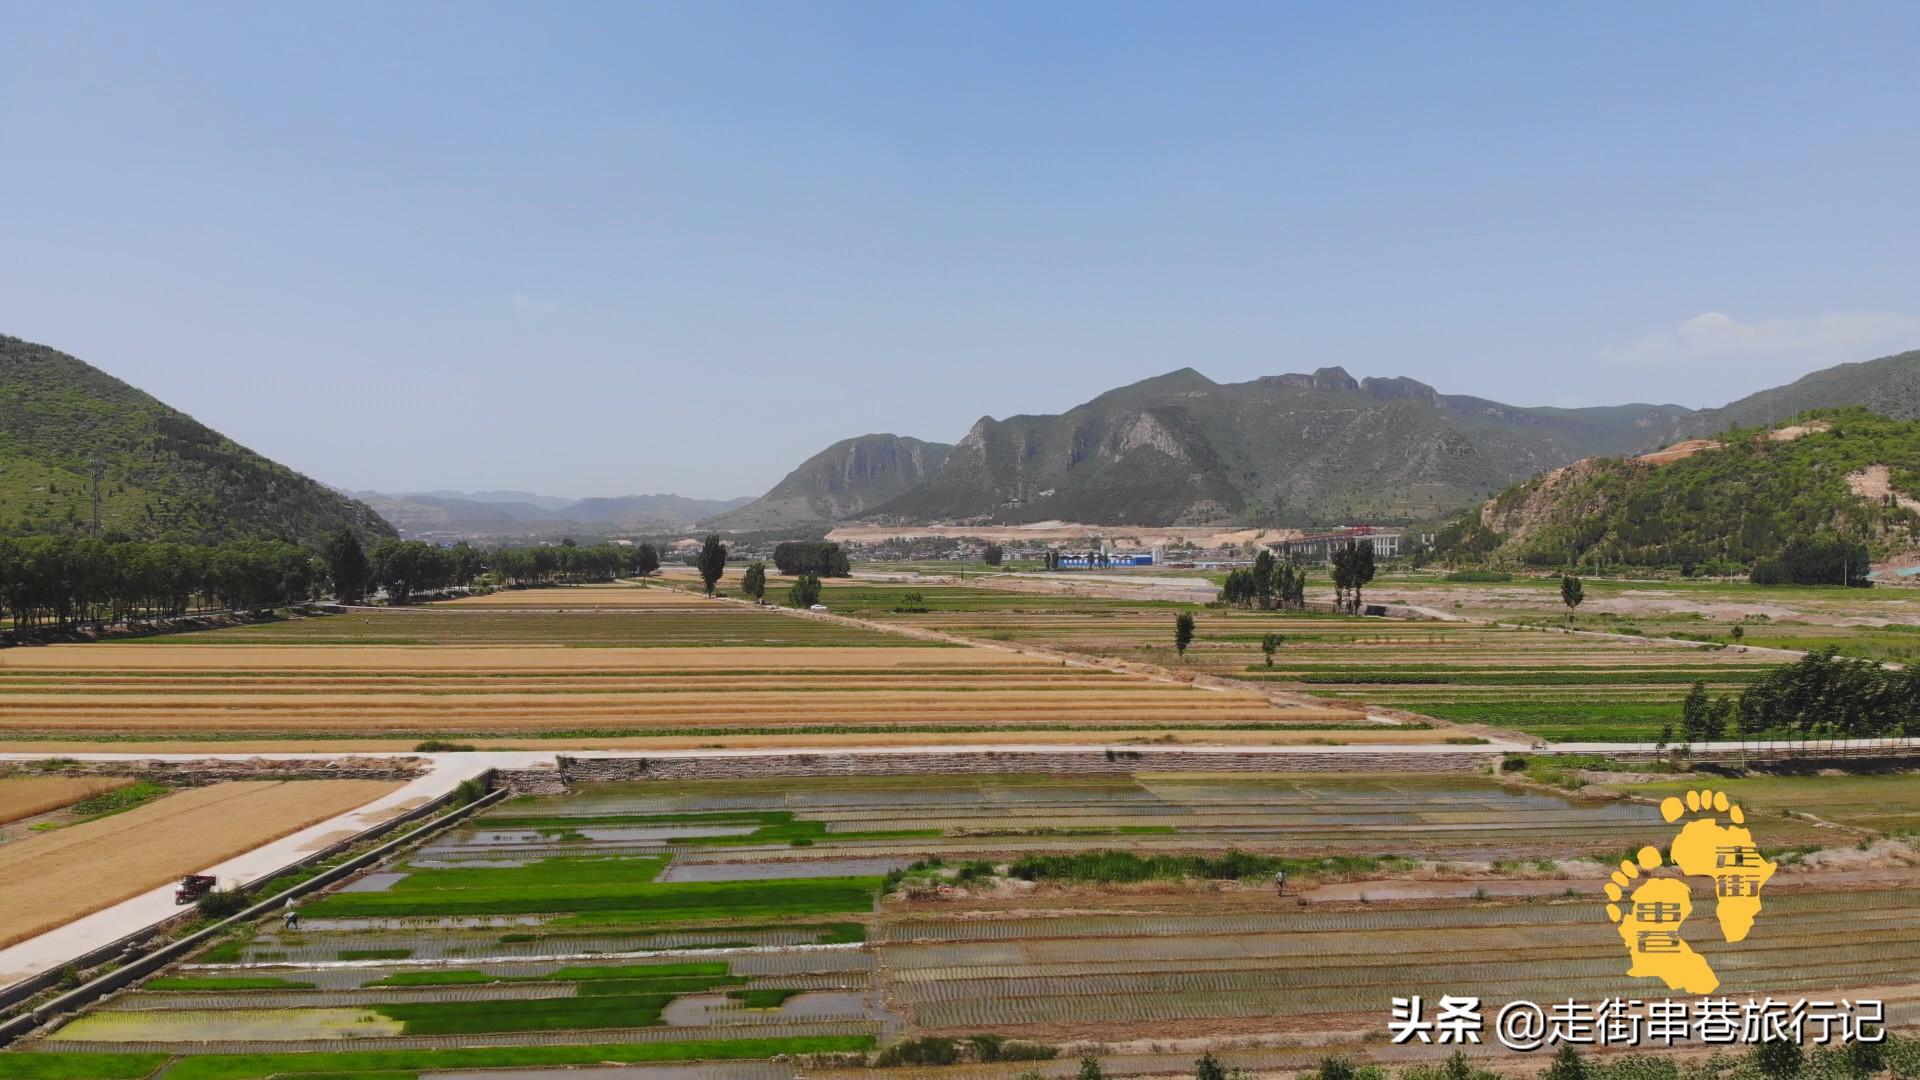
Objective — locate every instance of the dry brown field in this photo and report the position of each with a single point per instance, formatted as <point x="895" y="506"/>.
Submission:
<point x="571" y="597"/>
<point x="690" y="695"/>
<point x="55" y="878"/>
<point x="25" y="796"/>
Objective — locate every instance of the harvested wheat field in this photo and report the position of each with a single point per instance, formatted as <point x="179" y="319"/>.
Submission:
<point x="25" y="796"/>
<point x="53" y="879"/>
<point x="574" y="597"/>
<point x="343" y="692"/>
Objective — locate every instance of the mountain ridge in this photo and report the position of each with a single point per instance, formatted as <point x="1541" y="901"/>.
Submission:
<point x="448" y="514"/>
<point x="163" y="474"/>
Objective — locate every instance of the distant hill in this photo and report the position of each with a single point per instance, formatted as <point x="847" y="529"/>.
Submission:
<point x="450" y="515"/>
<point x="1296" y="449"/>
<point x="1889" y="386"/>
<point x="1741" y="496"/>
<point x="164" y="475"/>
<point x="845" y="480"/>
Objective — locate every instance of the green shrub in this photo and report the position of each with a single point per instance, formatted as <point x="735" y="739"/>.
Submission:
<point x="929" y="1050"/>
<point x="223" y="903"/>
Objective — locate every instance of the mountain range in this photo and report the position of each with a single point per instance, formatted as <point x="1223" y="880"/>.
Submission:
<point x="507" y="515"/>
<point x="1176" y="449"/>
<point x="1296" y="449"/>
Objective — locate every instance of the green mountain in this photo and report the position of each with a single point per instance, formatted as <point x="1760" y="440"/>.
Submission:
<point x="843" y="481"/>
<point x="163" y="475"/>
<point x="1294" y="449"/>
<point x="1889" y="386"/>
<point x="1846" y="474"/>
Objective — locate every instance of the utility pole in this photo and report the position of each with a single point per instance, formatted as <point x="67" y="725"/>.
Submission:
<point x="97" y="468"/>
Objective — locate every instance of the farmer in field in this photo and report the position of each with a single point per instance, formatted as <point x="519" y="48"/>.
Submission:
<point x="290" y="918"/>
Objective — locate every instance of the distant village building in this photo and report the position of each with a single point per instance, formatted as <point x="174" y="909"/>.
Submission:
<point x="1318" y="547"/>
<point x="1104" y="560"/>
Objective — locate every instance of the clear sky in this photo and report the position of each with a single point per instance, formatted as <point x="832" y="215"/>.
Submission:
<point x="608" y="248"/>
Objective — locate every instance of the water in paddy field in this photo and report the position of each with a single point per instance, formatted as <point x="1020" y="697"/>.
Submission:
<point x="764" y="901"/>
<point x="683" y="870"/>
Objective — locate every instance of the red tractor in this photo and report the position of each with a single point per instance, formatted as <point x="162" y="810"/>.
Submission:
<point x="193" y="887"/>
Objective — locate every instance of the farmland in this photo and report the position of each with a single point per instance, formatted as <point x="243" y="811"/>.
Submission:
<point x="742" y="919"/>
<point x="1534" y="680"/>
<point x="29" y="796"/>
<point x="665" y="669"/>
<point x="54" y="878"/>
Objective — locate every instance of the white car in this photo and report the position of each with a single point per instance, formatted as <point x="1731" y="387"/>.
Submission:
<point x="818" y="607"/>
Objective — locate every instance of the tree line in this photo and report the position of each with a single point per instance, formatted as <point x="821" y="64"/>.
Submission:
<point x="58" y="583"/>
<point x="1820" y="696"/>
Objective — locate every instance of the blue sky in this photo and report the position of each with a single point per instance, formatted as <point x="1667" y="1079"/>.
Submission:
<point x="607" y="248"/>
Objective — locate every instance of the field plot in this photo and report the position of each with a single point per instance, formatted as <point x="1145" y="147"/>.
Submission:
<point x="1532" y="680"/>
<point x="1886" y="803"/>
<point x="1880" y="623"/>
<point x="668" y="666"/>
<point x="27" y="796"/>
<point x="52" y="879"/>
<point x="743" y="919"/>
<point x="1181" y="974"/>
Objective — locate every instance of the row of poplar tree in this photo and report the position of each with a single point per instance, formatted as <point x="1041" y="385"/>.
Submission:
<point x="56" y="583"/>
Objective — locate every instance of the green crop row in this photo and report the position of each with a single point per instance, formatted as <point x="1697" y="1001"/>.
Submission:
<point x="381" y="1064"/>
<point x="641" y="902"/>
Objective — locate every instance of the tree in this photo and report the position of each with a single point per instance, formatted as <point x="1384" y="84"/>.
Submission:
<point x="1571" y="593"/>
<point x="1336" y="1068"/>
<point x="1262" y="579"/>
<point x="1183" y="632"/>
<point x="1270" y="645"/>
<point x="1090" y="1069"/>
<point x="1209" y="1068"/>
<point x="1779" y="1059"/>
<point x="994" y="555"/>
<point x="1696" y="713"/>
<point x="713" y="561"/>
<point x="805" y="592"/>
<point x="816" y="557"/>
<point x="646" y="560"/>
<point x="1362" y="570"/>
<point x="1567" y="1065"/>
<point x="754" y="581"/>
<point x="347" y="567"/>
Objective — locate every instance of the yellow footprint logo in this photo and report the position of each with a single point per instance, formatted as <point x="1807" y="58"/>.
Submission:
<point x="1657" y="908"/>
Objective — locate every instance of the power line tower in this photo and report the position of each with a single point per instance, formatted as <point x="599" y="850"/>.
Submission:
<point x="98" y="468"/>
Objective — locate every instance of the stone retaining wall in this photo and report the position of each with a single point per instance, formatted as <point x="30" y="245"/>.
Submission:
<point x="1062" y="762"/>
<point x="214" y="770"/>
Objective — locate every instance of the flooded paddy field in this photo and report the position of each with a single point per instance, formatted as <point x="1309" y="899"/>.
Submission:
<point x="723" y="930"/>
